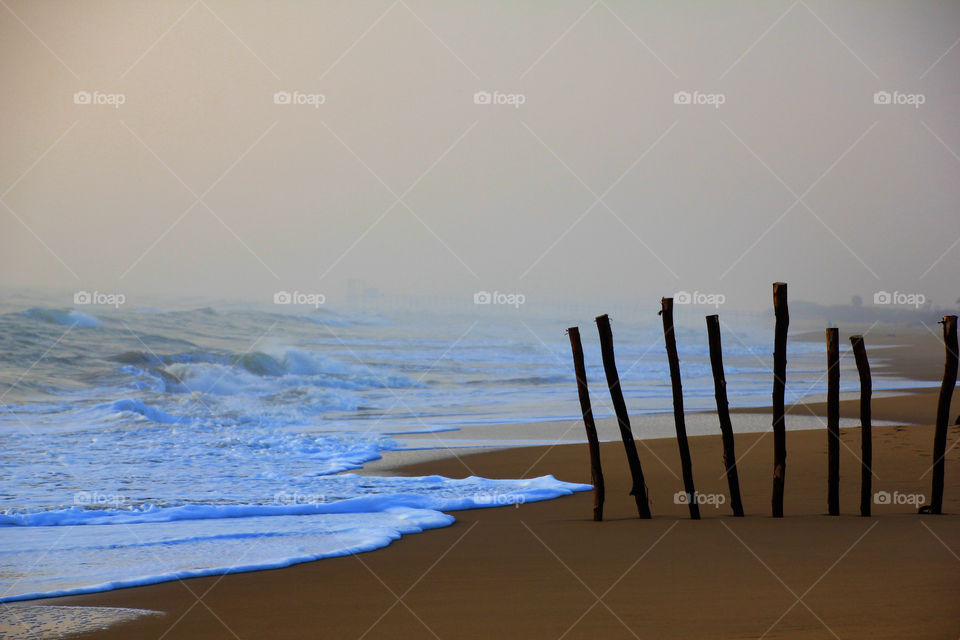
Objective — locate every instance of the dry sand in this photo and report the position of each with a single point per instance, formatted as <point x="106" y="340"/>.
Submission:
<point x="546" y="570"/>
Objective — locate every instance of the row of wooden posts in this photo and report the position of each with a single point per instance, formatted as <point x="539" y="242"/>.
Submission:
<point x="782" y="321"/>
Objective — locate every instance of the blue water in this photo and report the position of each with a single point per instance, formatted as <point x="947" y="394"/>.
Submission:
<point x="143" y="445"/>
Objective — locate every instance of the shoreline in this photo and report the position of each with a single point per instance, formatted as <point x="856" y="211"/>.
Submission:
<point x="552" y="557"/>
<point x="906" y="353"/>
<point x="913" y="406"/>
<point x="516" y="570"/>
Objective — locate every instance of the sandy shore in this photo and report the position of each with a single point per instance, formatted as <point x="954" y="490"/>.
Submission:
<point x="546" y="570"/>
<point x="536" y="570"/>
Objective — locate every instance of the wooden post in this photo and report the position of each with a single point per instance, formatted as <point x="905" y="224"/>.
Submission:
<point x="833" y="421"/>
<point x="639" y="490"/>
<point x="596" y="472"/>
<point x="779" y="387"/>
<point x="866" y="436"/>
<point x="723" y="413"/>
<point x="670" y="338"/>
<point x="943" y="411"/>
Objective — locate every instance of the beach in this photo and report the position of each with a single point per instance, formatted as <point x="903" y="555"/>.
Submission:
<point x="308" y="309"/>
<point x="546" y="570"/>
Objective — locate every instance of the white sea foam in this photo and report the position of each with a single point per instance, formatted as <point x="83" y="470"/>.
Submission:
<point x="112" y="548"/>
<point x="52" y="622"/>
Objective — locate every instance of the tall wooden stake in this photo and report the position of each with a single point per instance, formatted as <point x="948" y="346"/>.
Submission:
<point x="943" y="411"/>
<point x="639" y="490"/>
<point x="670" y="338"/>
<point x="866" y="436"/>
<point x="723" y="413"/>
<point x="833" y="421"/>
<point x="596" y="472"/>
<point x="779" y="387"/>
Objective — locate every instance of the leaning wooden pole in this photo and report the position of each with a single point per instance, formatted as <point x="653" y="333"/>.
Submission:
<point x="639" y="489"/>
<point x="723" y="413"/>
<point x="833" y="421"/>
<point x="670" y="339"/>
<point x="866" y="435"/>
<point x="596" y="471"/>
<point x="779" y="387"/>
<point x="943" y="411"/>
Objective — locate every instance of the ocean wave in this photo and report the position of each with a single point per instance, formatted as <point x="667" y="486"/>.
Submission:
<point x="63" y="317"/>
<point x="129" y="405"/>
<point x="440" y="493"/>
<point x="194" y="368"/>
<point x="533" y="380"/>
<point x="217" y="548"/>
<point x="341" y="319"/>
<point x="146" y="545"/>
<point x="268" y="373"/>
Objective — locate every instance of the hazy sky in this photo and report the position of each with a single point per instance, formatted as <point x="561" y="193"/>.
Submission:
<point x="598" y="186"/>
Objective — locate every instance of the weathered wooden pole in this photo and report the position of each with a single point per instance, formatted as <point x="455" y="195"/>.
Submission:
<point x="670" y="339"/>
<point x="596" y="472"/>
<point x="639" y="490"/>
<point x="782" y="315"/>
<point x="943" y="411"/>
<point x="866" y="435"/>
<point x="723" y="412"/>
<point x="833" y="421"/>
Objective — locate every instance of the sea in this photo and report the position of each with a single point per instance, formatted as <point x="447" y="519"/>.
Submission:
<point x="144" y="443"/>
